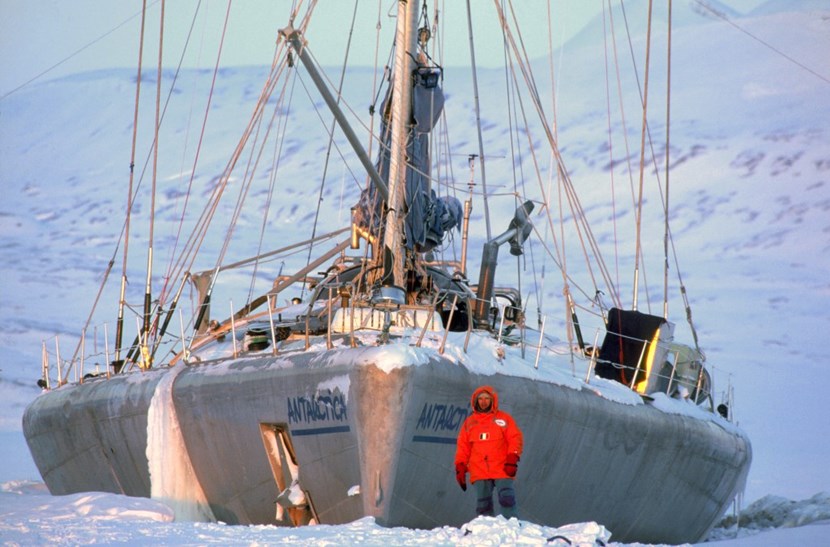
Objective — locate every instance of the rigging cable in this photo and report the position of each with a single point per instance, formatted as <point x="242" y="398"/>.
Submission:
<point x="200" y="231"/>
<point x="549" y="226"/>
<point x="377" y="87"/>
<point x="199" y="144"/>
<point x="723" y="16"/>
<point x="573" y="200"/>
<point x="171" y="263"/>
<point x="668" y="149"/>
<point x="174" y="267"/>
<point x="609" y="132"/>
<point x="279" y="142"/>
<point x="145" y="331"/>
<point x="478" y="120"/>
<point x="639" y="209"/>
<point x="670" y="240"/>
<point x="623" y="126"/>
<point x="515" y="149"/>
<point x="133" y="193"/>
<point x="119" y="331"/>
<point x="79" y="50"/>
<point x="641" y="262"/>
<point x="331" y="140"/>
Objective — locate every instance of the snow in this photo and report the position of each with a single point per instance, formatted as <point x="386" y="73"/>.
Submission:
<point x="29" y="515"/>
<point x="750" y="215"/>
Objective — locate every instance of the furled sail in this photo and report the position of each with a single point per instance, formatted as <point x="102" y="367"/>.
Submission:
<point x="428" y="218"/>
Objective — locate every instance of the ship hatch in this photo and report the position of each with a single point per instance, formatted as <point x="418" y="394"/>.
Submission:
<point x="293" y="506"/>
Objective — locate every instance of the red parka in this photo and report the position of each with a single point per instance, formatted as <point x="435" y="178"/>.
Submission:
<point x="486" y="438"/>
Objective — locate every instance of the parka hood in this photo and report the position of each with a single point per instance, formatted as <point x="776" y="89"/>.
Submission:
<point x="485" y="389"/>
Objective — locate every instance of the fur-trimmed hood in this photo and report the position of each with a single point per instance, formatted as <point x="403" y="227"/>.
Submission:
<point x="489" y="390"/>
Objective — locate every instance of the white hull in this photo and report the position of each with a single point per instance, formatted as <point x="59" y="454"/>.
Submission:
<point x="389" y="427"/>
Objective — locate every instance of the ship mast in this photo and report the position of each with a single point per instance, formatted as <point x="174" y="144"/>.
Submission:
<point x="401" y="113"/>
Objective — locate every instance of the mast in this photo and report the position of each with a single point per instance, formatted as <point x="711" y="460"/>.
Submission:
<point x="405" y="49"/>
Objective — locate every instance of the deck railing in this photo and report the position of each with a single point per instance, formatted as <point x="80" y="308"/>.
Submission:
<point x="57" y="371"/>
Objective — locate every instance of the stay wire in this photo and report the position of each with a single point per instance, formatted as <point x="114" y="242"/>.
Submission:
<point x="721" y="15"/>
<point x="78" y="51"/>
<point x="331" y="140"/>
<point x="279" y="142"/>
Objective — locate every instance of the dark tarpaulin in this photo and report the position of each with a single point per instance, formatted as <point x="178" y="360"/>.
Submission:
<point x="627" y="333"/>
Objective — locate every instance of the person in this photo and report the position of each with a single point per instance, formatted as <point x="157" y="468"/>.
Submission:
<point x="489" y="447"/>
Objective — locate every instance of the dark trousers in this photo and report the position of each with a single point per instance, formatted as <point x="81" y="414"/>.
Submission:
<point x="505" y="493"/>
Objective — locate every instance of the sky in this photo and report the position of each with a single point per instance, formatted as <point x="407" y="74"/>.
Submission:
<point x="57" y="37"/>
<point x="45" y="32"/>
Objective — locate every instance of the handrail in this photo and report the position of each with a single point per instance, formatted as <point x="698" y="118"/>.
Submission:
<point x="668" y="380"/>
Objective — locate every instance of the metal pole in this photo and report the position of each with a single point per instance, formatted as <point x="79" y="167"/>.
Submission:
<point x="449" y="322"/>
<point x="181" y="332"/>
<point x="328" y="321"/>
<point x="405" y="48"/>
<point x="501" y="322"/>
<point x="593" y="362"/>
<point x="44" y="364"/>
<point x="468" y="209"/>
<point x="639" y="364"/>
<point x="233" y="331"/>
<point x="541" y="341"/>
<point x="58" y="359"/>
<point x="271" y="323"/>
<point x="106" y="349"/>
<point x="83" y="352"/>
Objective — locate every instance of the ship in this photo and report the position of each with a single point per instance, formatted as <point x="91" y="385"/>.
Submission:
<point x="338" y="392"/>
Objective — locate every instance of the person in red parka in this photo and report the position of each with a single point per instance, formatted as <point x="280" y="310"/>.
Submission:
<point x="489" y="447"/>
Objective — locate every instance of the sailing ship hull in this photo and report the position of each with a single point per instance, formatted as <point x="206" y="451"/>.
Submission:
<point x="386" y="422"/>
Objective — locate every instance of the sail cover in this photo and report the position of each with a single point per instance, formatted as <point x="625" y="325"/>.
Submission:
<point x="428" y="218"/>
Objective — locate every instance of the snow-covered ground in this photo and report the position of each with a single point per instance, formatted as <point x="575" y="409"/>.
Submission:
<point x="751" y="217"/>
<point x="29" y="515"/>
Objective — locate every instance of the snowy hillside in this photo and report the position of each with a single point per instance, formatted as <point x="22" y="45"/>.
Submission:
<point x="750" y="205"/>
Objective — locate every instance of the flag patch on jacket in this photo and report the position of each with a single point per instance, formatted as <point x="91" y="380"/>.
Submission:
<point x="483" y="436"/>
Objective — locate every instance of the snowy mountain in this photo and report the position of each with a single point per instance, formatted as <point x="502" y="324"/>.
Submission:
<point x="749" y="204"/>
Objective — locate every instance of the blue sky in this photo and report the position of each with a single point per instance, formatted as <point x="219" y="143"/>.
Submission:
<point x="35" y="35"/>
<point x="46" y="39"/>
